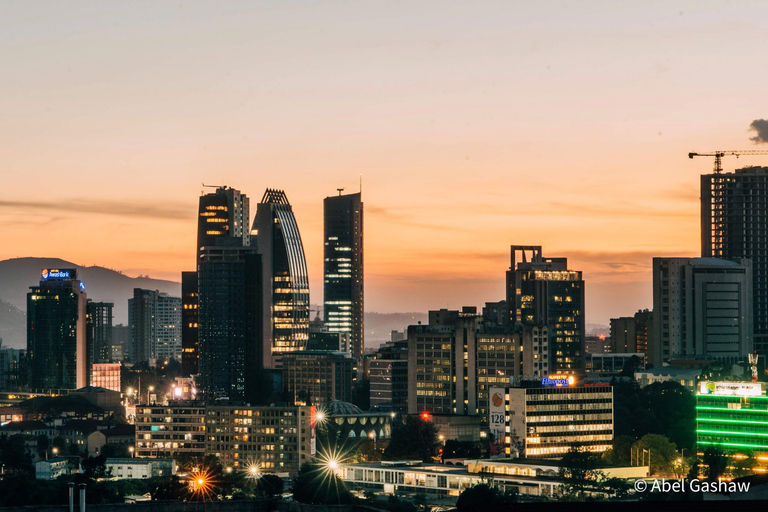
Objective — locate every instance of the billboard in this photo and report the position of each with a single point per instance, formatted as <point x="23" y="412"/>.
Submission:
<point x="559" y="381"/>
<point x="731" y="388"/>
<point x="58" y="274"/>
<point x="497" y="420"/>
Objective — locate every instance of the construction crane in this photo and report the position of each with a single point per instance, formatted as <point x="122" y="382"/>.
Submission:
<point x="720" y="154"/>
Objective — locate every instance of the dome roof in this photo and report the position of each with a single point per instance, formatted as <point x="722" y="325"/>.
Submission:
<point x="339" y="408"/>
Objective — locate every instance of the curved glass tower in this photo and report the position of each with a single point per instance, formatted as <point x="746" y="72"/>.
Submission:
<point x="285" y="280"/>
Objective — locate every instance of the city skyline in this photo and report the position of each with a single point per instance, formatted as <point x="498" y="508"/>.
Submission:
<point x="474" y="128"/>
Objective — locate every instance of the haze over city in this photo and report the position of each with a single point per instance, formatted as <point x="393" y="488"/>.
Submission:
<point x="473" y="126"/>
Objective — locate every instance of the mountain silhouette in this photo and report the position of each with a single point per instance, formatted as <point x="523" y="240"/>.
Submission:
<point x="102" y="285"/>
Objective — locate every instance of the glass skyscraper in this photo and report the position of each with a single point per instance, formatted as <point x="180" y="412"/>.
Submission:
<point x="56" y="332"/>
<point x="343" y="268"/>
<point x="285" y="282"/>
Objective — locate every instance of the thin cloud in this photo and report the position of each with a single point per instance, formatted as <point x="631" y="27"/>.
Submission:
<point x="760" y="126"/>
<point x="116" y="208"/>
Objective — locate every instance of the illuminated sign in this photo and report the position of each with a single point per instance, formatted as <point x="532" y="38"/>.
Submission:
<point x="731" y="388"/>
<point x="559" y="381"/>
<point x="496" y="413"/>
<point x="54" y="274"/>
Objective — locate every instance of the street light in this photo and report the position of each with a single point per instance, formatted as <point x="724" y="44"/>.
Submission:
<point x="131" y="449"/>
<point x="151" y="389"/>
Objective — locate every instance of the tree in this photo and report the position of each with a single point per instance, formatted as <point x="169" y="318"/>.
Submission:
<point x="662" y="452"/>
<point x="620" y="454"/>
<point x="270" y="485"/>
<point x="742" y="466"/>
<point x="579" y="472"/>
<point x="319" y="485"/>
<point x="413" y="438"/>
<point x="481" y="496"/>
<point x="95" y="467"/>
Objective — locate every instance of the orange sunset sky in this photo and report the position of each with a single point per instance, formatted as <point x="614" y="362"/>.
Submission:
<point x="475" y="125"/>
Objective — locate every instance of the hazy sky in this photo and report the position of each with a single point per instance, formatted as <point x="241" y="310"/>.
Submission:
<point x="475" y="125"/>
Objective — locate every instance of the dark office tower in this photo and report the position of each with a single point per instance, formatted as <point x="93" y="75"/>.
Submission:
<point x="734" y="224"/>
<point x="155" y="320"/>
<point x="224" y="213"/>
<point x="285" y="282"/>
<point x="343" y="270"/>
<point x="229" y="313"/>
<point x="189" y="323"/>
<point x="542" y="292"/>
<point x="100" y="334"/>
<point x="56" y="332"/>
<point x="141" y="319"/>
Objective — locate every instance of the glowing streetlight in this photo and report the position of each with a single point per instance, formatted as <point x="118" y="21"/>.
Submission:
<point x="131" y="449"/>
<point x="333" y="464"/>
<point x="320" y="416"/>
<point x="55" y="451"/>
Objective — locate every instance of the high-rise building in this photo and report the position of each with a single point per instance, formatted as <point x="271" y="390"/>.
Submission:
<point x="388" y="376"/>
<point x="222" y="219"/>
<point x="701" y="307"/>
<point x="343" y="269"/>
<point x="223" y="214"/>
<point x="229" y="314"/>
<point x="100" y="333"/>
<point x="155" y="322"/>
<point x="285" y="313"/>
<point x="56" y="332"/>
<point x="630" y="334"/>
<point x="734" y="224"/>
<point x="189" y="324"/>
<point x="543" y="292"/>
<point x="312" y="377"/>
<point x="454" y="360"/>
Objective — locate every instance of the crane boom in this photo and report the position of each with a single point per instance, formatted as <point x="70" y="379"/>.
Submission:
<point x="720" y="154"/>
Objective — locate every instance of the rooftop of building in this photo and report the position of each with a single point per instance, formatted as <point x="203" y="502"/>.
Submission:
<point x="670" y="371"/>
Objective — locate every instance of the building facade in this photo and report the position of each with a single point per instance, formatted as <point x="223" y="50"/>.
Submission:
<point x="388" y="376"/>
<point x="453" y="361"/>
<point x="546" y="422"/>
<point x="229" y="333"/>
<point x="57" y="356"/>
<point x="731" y="416"/>
<point x="272" y="439"/>
<point x="311" y="377"/>
<point x="343" y="288"/>
<point x="701" y="307"/>
<point x="100" y="333"/>
<point x="190" y="326"/>
<point x="543" y="292"/>
<point x="155" y="322"/>
<point x="170" y="430"/>
<point x="285" y="282"/>
<point x="734" y="224"/>
<point x="106" y="375"/>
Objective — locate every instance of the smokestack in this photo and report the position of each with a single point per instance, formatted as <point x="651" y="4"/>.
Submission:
<point x="82" y="497"/>
<point x="71" y="496"/>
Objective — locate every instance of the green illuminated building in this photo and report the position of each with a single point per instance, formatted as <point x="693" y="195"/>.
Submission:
<point x="732" y="416"/>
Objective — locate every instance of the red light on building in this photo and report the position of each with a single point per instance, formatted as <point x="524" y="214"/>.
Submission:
<point x="426" y="416"/>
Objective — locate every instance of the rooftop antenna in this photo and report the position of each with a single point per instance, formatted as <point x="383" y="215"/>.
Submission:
<point x="340" y="190"/>
<point x="361" y="184"/>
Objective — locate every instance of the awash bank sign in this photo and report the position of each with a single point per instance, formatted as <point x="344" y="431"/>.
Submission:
<point x="54" y="274"/>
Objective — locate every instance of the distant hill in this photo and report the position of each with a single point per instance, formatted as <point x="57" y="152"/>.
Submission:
<point x="379" y="326"/>
<point x="13" y="326"/>
<point x="102" y="284"/>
